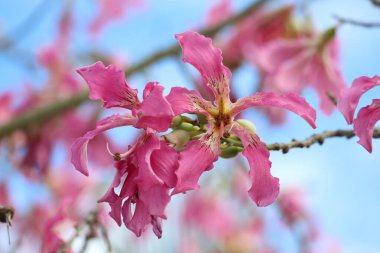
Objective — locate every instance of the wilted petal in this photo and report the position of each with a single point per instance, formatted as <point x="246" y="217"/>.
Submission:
<point x="186" y="101"/>
<point x="199" y="52"/>
<point x="108" y="84"/>
<point x="137" y="221"/>
<point x="365" y="123"/>
<point x="197" y="157"/>
<point x="155" y="111"/>
<point x="164" y="162"/>
<point x="115" y="203"/>
<point x="265" y="187"/>
<point x="79" y="147"/>
<point x="151" y="189"/>
<point x="291" y="102"/>
<point x="350" y="97"/>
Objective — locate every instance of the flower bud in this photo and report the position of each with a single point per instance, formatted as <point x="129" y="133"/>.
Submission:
<point x="248" y="124"/>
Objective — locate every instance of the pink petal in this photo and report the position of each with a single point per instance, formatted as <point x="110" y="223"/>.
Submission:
<point x="275" y="54"/>
<point x="350" y="97"/>
<point x="326" y="77"/>
<point x="108" y="84"/>
<point x="164" y="163"/>
<point x="151" y="189"/>
<point x="137" y="221"/>
<point x="115" y="203"/>
<point x="199" y="52"/>
<point x="265" y="187"/>
<point x="155" y="111"/>
<point x="292" y="75"/>
<point x="365" y="123"/>
<point x="79" y="147"/>
<point x="291" y="102"/>
<point x="185" y="101"/>
<point x="197" y="157"/>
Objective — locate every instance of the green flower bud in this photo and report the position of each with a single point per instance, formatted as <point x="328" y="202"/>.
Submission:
<point x="188" y="127"/>
<point x="248" y="124"/>
<point x="230" y="151"/>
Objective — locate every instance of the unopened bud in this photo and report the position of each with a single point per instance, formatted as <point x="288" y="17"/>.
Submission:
<point x="188" y="127"/>
<point x="230" y="151"/>
<point x="248" y="124"/>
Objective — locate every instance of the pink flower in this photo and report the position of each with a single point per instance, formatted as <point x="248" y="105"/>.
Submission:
<point x="213" y="217"/>
<point x="366" y="119"/>
<point x="253" y="34"/>
<point x="110" y="10"/>
<point x="199" y="155"/>
<point x="109" y="85"/>
<point x="295" y="63"/>
<point x="149" y="164"/>
<point x="150" y="168"/>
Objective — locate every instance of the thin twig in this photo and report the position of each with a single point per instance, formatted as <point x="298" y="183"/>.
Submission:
<point x="376" y="2"/>
<point x="316" y="138"/>
<point x="357" y="22"/>
<point x="52" y="110"/>
<point x="26" y="26"/>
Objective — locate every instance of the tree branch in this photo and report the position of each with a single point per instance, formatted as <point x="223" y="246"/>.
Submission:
<point x="52" y="110"/>
<point x="356" y="22"/>
<point x="316" y="138"/>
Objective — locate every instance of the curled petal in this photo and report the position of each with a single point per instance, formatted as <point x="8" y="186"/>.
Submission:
<point x="199" y="52"/>
<point x="108" y="84"/>
<point x="79" y="147"/>
<point x="152" y="191"/>
<point x="291" y="102"/>
<point x="137" y="221"/>
<point x="265" y="187"/>
<point x="197" y="157"/>
<point x="164" y="162"/>
<point x="155" y="111"/>
<point x="349" y="98"/>
<point x="186" y="101"/>
<point x="115" y="203"/>
<point x="365" y="123"/>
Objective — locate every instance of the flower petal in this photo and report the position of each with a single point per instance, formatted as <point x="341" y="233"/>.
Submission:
<point x="186" y="101"/>
<point x="350" y="97"/>
<point x="197" y="157"/>
<point x="164" y="163"/>
<point x="155" y="111"/>
<point x="108" y="84"/>
<point x="265" y="187"/>
<point x="79" y="147"/>
<point x="365" y="123"/>
<point x="290" y="101"/>
<point x="199" y="52"/>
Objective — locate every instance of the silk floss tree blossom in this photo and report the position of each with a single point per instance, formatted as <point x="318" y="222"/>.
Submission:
<point x="368" y="116"/>
<point x="199" y="155"/>
<point x="152" y="166"/>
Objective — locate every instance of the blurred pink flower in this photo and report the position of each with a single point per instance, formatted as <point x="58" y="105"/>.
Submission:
<point x="111" y="10"/>
<point x="199" y="155"/>
<point x="295" y="63"/>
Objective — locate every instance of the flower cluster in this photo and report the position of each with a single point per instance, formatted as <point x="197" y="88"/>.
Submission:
<point x="154" y="165"/>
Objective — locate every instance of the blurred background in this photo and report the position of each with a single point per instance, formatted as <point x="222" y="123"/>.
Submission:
<point x="333" y="188"/>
